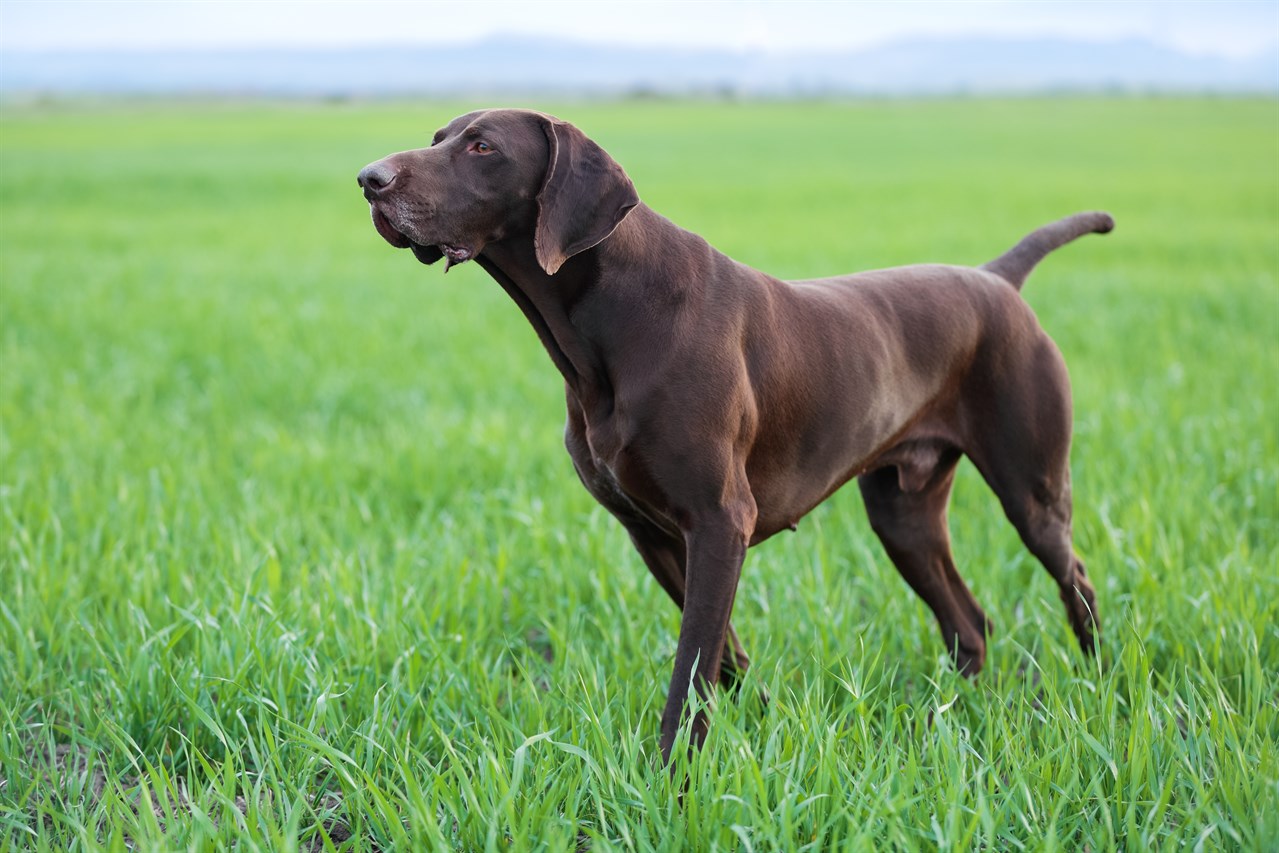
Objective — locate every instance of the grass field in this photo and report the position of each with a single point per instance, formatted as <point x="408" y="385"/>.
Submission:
<point x="291" y="554"/>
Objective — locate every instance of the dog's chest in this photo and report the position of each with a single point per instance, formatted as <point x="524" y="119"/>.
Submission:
<point x="613" y="475"/>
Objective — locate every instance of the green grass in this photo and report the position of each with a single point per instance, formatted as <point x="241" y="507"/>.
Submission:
<point x="291" y="554"/>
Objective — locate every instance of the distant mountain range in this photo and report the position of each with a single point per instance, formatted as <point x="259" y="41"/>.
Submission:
<point x="535" y="65"/>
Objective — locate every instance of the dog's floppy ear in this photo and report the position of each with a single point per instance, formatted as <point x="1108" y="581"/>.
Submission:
<point x="584" y="196"/>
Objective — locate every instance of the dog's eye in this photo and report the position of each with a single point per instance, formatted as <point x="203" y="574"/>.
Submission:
<point x="482" y="147"/>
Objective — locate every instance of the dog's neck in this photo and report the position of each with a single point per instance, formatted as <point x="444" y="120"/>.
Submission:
<point x="547" y="302"/>
<point x="582" y="311"/>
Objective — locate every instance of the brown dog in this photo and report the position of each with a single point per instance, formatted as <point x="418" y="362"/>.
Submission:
<point x="711" y="406"/>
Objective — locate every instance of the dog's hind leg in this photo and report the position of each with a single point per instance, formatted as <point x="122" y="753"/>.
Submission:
<point x="1024" y="454"/>
<point x="911" y="523"/>
<point x="1039" y="506"/>
<point x="1043" y="520"/>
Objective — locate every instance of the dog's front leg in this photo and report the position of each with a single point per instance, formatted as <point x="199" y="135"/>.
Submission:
<point x="716" y="547"/>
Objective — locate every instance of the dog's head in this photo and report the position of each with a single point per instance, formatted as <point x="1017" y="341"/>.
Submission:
<point x="494" y="174"/>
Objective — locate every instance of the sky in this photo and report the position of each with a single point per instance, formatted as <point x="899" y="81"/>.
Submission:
<point x="1233" y="28"/>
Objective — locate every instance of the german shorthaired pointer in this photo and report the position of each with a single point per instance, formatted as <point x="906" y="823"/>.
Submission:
<point x="711" y="406"/>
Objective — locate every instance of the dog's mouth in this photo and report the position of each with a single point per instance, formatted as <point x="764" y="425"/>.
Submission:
<point x="387" y="230"/>
<point x="426" y="253"/>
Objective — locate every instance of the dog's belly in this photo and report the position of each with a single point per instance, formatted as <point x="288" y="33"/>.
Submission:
<point x="795" y="490"/>
<point x="791" y="478"/>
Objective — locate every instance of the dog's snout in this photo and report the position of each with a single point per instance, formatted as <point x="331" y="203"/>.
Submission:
<point x="376" y="177"/>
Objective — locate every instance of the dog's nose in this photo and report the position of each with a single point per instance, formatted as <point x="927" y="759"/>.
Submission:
<point x="375" y="178"/>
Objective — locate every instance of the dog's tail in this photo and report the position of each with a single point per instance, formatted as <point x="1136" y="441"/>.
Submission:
<point x="1014" y="265"/>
